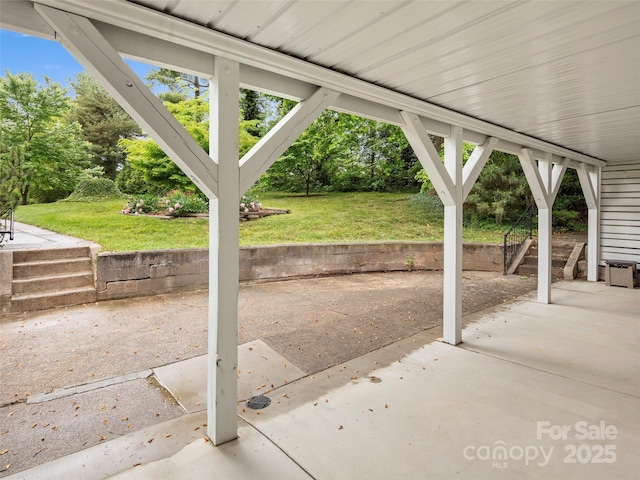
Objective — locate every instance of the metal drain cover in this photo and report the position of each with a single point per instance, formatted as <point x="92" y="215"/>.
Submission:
<point x="258" y="402"/>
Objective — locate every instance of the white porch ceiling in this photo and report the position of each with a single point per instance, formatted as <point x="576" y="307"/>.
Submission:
<point x="565" y="72"/>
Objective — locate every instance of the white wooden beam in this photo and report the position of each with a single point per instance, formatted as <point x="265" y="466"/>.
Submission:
<point x="224" y="254"/>
<point x="531" y="172"/>
<point x="545" y="232"/>
<point x="475" y="164"/>
<point x="96" y="55"/>
<point x="557" y="174"/>
<point x="20" y="16"/>
<point x="161" y="53"/>
<point x="257" y="160"/>
<point x="429" y="157"/>
<point x="589" y="187"/>
<point x="590" y="181"/>
<point x="452" y="276"/>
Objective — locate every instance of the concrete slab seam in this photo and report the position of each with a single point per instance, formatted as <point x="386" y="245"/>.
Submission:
<point x="472" y="350"/>
<point x="88" y="387"/>
<point x="270" y="440"/>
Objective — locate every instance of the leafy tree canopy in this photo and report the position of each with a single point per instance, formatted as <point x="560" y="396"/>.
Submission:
<point x="103" y="123"/>
<point x="12" y="179"/>
<point x="32" y="118"/>
<point x="181" y="86"/>
<point x="145" y="156"/>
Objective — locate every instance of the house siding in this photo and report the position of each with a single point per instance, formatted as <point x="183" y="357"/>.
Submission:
<point x="620" y="212"/>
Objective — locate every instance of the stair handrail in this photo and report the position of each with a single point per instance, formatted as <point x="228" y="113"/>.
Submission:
<point x="516" y="235"/>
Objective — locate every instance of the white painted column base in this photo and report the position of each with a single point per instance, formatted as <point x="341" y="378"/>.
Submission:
<point x="452" y="277"/>
<point x="544" y="255"/>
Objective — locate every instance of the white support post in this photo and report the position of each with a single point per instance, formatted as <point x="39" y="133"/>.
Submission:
<point x="544" y="234"/>
<point x="83" y="40"/>
<point x="452" y="280"/>
<point x="453" y="183"/>
<point x="257" y="160"/>
<point x="544" y="179"/>
<point x="590" y="181"/>
<point x="224" y="254"/>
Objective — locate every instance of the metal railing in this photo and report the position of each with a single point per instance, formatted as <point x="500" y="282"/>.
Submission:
<point x="521" y="230"/>
<point x="6" y="224"/>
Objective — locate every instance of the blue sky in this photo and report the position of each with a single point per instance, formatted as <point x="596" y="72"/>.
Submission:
<point x="22" y="53"/>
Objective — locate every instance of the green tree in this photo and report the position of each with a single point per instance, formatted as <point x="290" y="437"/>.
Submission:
<point x="181" y="86"/>
<point x="383" y="152"/>
<point x="570" y="208"/>
<point x="158" y="170"/>
<point x="252" y="108"/>
<point x="310" y="162"/>
<point x="32" y="118"/>
<point x="12" y="179"/>
<point x="501" y="192"/>
<point x="103" y="123"/>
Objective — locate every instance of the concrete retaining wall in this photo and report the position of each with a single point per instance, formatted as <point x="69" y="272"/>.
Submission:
<point x="122" y="275"/>
<point x="6" y="279"/>
<point x="134" y="274"/>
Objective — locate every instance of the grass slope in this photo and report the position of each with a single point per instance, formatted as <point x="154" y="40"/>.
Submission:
<point x="336" y="217"/>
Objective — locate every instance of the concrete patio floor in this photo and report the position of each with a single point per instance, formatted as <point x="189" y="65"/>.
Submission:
<point x="535" y="391"/>
<point x="30" y="237"/>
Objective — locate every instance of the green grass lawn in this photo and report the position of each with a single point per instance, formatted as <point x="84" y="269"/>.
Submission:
<point x="335" y="217"/>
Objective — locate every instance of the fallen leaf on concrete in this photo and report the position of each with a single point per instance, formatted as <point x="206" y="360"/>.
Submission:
<point x="4" y="451"/>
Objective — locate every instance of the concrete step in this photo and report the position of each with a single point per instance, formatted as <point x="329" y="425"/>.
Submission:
<point x="558" y="253"/>
<point x="52" y="282"/>
<point x="41" y="301"/>
<point x="48" y="267"/>
<point x="531" y="270"/>
<point x="39" y="255"/>
<point x="555" y="261"/>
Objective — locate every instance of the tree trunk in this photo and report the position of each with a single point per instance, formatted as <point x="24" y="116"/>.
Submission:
<point x="196" y="86"/>
<point x="24" y="192"/>
<point x="437" y="142"/>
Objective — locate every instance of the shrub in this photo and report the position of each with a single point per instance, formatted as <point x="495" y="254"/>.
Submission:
<point x="132" y="182"/>
<point x="182" y="203"/>
<point x="141" y="204"/>
<point x="94" y="189"/>
<point x="249" y="203"/>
